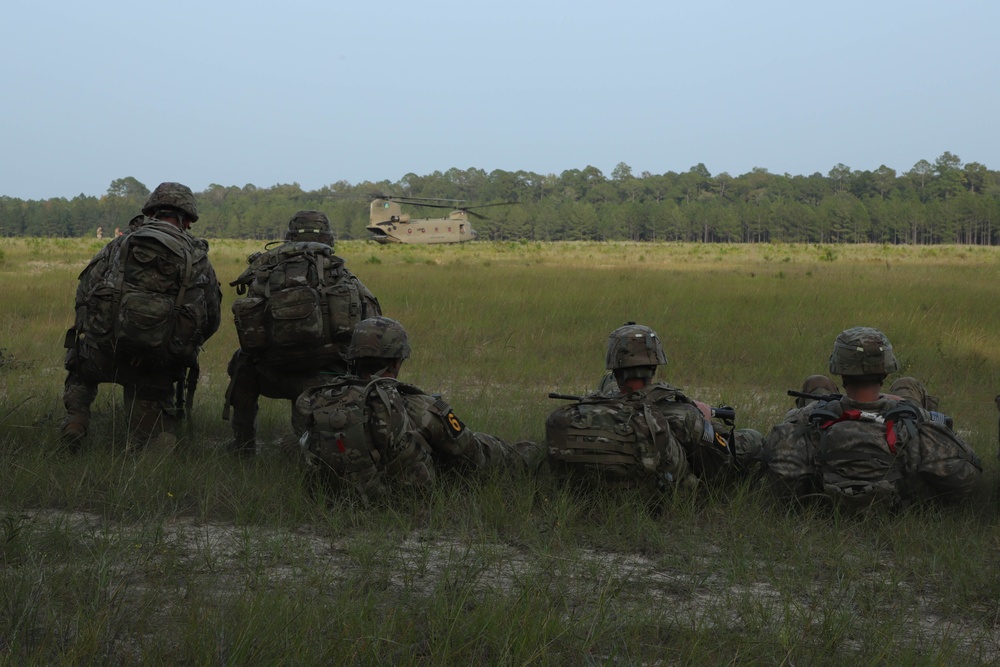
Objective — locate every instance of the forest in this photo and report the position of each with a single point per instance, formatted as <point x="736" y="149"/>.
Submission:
<point x="944" y="201"/>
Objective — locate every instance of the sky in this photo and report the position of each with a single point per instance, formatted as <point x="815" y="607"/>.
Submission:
<point x="316" y="92"/>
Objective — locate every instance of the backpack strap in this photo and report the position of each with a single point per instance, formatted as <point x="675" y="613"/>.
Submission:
<point x="401" y="441"/>
<point x="902" y="414"/>
<point x="825" y="417"/>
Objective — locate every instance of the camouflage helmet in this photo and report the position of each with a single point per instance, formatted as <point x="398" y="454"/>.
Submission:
<point x="172" y="195"/>
<point x="634" y="345"/>
<point x="311" y="226"/>
<point x="379" y="337"/>
<point x="862" y="351"/>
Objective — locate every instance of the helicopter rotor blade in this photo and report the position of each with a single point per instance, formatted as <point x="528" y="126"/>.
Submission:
<point x="405" y="199"/>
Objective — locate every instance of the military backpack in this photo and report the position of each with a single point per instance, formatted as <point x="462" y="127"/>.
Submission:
<point x="615" y="438"/>
<point x="300" y="306"/>
<point x="358" y="434"/>
<point x="150" y="302"/>
<point x="862" y="458"/>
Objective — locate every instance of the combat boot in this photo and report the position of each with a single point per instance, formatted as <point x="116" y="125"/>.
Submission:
<point x="244" y="441"/>
<point x="144" y="424"/>
<point x="72" y="435"/>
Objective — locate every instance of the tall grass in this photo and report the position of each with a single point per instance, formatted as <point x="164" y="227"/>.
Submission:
<point x="193" y="557"/>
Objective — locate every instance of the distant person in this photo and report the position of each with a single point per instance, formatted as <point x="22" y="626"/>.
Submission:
<point x="297" y="309"/>
<point x="118" y="232"/>
<point x="645" y="431"/>
<point x="100" y="233"/>
<point x="368" y="432"/>
<point x="144" y="306"/>
<point x="868" y="448"/>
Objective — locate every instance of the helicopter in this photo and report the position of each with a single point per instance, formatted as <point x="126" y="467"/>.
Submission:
<point x="388" y="224"/>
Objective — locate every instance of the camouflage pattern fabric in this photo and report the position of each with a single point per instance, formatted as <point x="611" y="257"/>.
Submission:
<point x="710" y="452"/>
<point x="248" y="381"/>
<point x="311" y="226"/>
<point x="295" y="325"/>
<point x="379" y="338"/>
<point x="172" y="195"/>
<point x="619" y="440"/>
<point x="819" y="385"/>
<point x="862" y="461"/>
<point x="452" y="444"/>
<point x="300" y="308"/>
<point x="359" y="437"/>
<point x="409" y="436"/>
<point x="634" y="345"/>
<point x="913" y="390"/>
<point x="93" y="357"/>
<point x="862" y="351"/>
<point x="151" y="290"/>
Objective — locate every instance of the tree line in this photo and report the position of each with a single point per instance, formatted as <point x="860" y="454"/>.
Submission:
<point x="941" y="202"/>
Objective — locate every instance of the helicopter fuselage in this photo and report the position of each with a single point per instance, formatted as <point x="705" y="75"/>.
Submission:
<point x="388" y="224"/>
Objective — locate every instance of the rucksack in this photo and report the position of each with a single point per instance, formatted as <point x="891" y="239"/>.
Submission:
<point x="615" y="438"/>
<point x="150" y="301"/>
<point x="866" y="458"/>
<point x="858" y="459"/>
<point x="301" y="306"/>
<point x="359" y="434"/>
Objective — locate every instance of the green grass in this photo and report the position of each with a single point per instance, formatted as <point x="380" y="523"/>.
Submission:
<point x="193" y="557"/>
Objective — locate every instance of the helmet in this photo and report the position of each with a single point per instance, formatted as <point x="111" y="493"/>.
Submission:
<point x="634" y="345"/>
<point x="172" y="195"/>
<point x="862" y="351"/>
<point x="311" y="226"/>
<point x="379" y="337"/>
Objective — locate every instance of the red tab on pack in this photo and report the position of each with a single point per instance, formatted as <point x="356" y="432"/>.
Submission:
<point x="890" y="435"/>
<point x="847" y="415"/>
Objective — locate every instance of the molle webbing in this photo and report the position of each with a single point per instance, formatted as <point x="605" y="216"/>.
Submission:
<point x="612" y="448"/>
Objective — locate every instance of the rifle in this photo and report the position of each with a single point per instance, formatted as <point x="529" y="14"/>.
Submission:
<point x="823" y="398"/>
<point x="938" y="417"/>
<point x="566" y="397"/>
<point x="724" y="412"/>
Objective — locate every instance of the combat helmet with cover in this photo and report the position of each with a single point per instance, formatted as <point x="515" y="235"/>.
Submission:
<point x="310" y="226"/>
<point x="379" y="338"/>
<point x="862" y="351"/>
<point x="175" y="196"/>
<point x="634" y="350"/>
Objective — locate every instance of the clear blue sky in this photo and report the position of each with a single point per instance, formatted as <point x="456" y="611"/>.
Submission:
<point x="315" y="92"/>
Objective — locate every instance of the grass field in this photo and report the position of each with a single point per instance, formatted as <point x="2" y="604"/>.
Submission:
<point x="194" y="557"/>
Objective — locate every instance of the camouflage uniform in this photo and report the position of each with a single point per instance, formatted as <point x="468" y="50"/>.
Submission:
<point x="148" y="385"/>
<point x="710" y="451"/>
<point x="410" y="435"/>
<point x="252" y="376"/>
<point x="933" y="462"/>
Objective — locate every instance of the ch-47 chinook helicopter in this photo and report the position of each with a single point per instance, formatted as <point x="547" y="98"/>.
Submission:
<point x="388" y="224"/>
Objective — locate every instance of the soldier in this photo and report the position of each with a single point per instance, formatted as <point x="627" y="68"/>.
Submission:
<point x="634" y="352"/>
<point x="144" y="306"/>
<point x="294" y="325"/>
<point x="867" y="447"/>
<point x="369" y="431"/>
